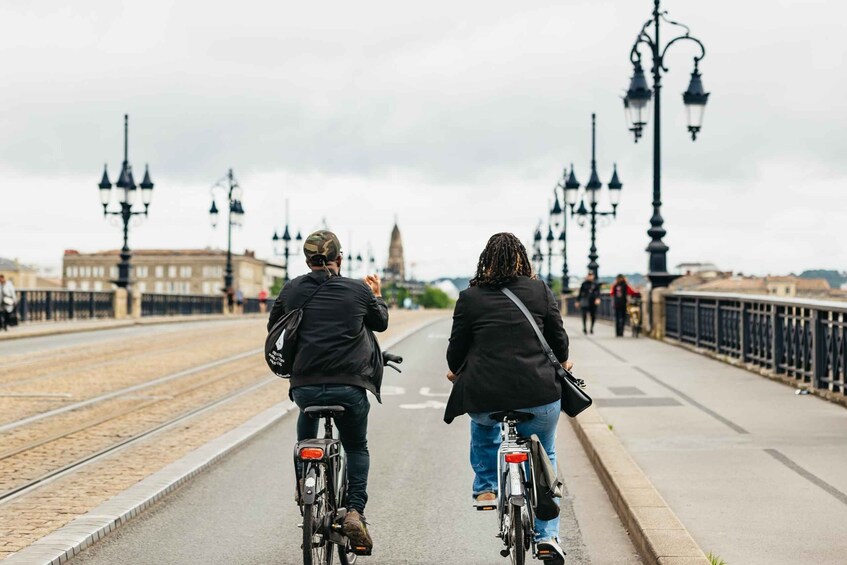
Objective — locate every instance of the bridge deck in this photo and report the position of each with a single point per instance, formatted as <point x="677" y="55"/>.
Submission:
<point x="755" y="472"/>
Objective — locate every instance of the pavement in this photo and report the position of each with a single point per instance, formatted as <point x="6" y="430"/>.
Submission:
<point x="754" y="471"/>
<point x="242" y="510"/>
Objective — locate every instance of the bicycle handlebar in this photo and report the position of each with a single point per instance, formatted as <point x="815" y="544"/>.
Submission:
<point x="389" y="360"/>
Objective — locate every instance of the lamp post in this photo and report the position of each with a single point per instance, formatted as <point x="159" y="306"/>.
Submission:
<point x="235" y="218"/>
<point x="126" y="198"/>
<point x="592" y="190"/>
<point x="563" y="237"/>
<point x="636" y="105"/>
<point x="281" y="244"/>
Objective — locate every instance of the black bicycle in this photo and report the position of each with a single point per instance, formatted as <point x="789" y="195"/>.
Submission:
<point x="323" y="488"/>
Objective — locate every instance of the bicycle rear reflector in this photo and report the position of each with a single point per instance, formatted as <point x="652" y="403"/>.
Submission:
<point x="312" y="453"/>
<point x="516" y="457"/>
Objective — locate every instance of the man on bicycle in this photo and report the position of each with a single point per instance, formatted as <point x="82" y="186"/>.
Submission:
<point x="335" y="360"/>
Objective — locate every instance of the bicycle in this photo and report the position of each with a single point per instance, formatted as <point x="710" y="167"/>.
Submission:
<point x="516" y="492"/>
<point x="323" y="487"/>
<point x="633" y="309"/>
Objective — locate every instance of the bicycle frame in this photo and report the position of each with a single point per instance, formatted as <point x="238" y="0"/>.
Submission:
<point x="512" y="484"/>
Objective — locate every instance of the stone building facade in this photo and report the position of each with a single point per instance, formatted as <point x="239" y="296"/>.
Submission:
<point x="166" y="271"/>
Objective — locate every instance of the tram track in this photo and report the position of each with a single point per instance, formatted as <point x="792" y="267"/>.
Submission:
<point x="54" y="474"/>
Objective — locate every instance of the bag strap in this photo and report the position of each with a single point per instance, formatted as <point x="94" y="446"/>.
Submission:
<point x="544" y="345"/>
<point x="314" y="292"/>
<point x="561" y="371"/>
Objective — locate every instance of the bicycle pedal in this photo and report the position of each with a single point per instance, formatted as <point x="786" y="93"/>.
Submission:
<point x="361" y="550"/>
<point x="486" y="508"/>
<point x="504" y="552"/>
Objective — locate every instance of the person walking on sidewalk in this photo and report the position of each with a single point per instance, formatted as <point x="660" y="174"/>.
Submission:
<point x="8" y="299"/>
<point x="496" y="363"/>
<point x="620" y="292"/>
<point x="335" y="362"/>
<point x="588" y="299"/>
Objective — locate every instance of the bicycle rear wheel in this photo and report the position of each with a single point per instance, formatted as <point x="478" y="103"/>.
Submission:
<point x="517" y="547"/>
<point x="345" y="555"/>
<point x="316" y="547"/>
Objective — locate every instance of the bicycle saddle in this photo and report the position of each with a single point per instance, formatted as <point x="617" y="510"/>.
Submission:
<point x="511" y="415"/>
<point x="324" y="411"/>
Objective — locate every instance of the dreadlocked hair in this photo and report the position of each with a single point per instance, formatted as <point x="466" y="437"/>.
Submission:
<point x="503" y="260"/>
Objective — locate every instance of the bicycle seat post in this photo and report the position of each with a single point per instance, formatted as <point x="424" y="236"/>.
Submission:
<point x="328" y="427"/>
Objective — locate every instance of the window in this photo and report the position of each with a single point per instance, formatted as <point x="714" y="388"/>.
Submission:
<point x="71" y="285"/>
<point x="141" y="272"/>
<point x="172" y="272"/>
<point x="83" y="285"/>
<point x="160" y="272"/>
<point x="159" y="285"/>
<point x="113" y="272"/>
<point x="98" y="285"/>
<point x="142" y="287"/>
<point x="185" y="272"/>
<point x="207" y="287"/>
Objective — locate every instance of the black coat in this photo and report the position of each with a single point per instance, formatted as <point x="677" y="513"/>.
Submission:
<point x="495" y="353"/>
<point x="335" y="344"/>
<point x="589" y="292"/>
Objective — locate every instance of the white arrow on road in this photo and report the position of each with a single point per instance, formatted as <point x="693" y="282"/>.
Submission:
<point x="392" y="391"/>
<point x="425" y="391"/>
<point x="423" y="405"/>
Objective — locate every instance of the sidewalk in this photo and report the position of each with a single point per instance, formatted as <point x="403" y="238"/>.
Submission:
<point x="755" y="472"/>
<point x="38" y="329"/>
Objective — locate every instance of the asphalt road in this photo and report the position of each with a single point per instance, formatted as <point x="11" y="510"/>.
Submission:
<point x="242" y="511"/>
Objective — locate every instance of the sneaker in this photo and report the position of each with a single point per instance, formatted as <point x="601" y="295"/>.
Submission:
<point x="485" y="501"/>
<point x="550" y="552"/>
<point x="356" y="529"/>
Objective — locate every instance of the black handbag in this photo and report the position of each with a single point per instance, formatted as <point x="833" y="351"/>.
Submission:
<point x="281" y="343"/>
<point x="574" y="399"/>
<point x="548" y="486"/>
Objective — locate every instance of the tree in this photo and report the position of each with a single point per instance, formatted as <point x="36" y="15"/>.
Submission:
<point x="433" y="297"/>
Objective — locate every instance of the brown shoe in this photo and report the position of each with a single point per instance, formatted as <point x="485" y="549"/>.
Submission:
<point x="485" y="501"/>
<point x="356" y="530"/>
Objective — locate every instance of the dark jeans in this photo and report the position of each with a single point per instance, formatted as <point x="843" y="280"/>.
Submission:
<point x="352" y="430"/>
<point x="4" y="319"/>
<point x="592" y="310"/>
<point x="620" y="320"/>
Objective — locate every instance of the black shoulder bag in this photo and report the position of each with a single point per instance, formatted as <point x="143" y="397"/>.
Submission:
<point x="281" y="343"/>
<point x="574" y="399"/>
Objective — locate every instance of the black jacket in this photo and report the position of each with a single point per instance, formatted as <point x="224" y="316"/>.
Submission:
<point x="335" y="344"/>
<point x="589" y="292"/>
<point x="495" y="353"/>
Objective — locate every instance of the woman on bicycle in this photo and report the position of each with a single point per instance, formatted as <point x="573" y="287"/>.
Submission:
<point x="496" y="363"/>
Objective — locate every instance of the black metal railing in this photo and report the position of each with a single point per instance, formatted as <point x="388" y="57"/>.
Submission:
<point x="59" y="305"/>
<point x="805" y="340"/>
<point x="180" y="304"/>
<point x="605" y="311"/>
<point x="252" y="306"/>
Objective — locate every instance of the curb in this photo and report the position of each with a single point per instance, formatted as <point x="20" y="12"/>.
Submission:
<point x="117" y="324"/>
<point x="60" y="546"/>
<point x="656" y="532"/>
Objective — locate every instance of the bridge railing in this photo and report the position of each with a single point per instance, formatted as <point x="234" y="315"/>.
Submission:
<point x="252" y="306"/>
<point x="180" y="304"/>
<point x="57" y="305"/>
<point x="605" y="311"/>
<point x="803" y="340"/>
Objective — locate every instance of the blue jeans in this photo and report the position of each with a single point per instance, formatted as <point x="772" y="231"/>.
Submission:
<point x="485" y="441"/>
<point x="352" y="431"/>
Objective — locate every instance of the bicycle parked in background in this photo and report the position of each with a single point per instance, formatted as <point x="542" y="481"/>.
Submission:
<point x="633" y="310"/>
<point x="323" y="487"/>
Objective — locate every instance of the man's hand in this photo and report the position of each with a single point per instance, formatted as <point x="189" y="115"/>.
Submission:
<point x="374" y="283"/>
<point x="597" y="302"/>
<point x="567" y="365"/>
<point x="451" y="376"/>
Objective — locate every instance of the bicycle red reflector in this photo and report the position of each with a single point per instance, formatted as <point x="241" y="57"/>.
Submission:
<point x="516" y="457"/>
<point x="310" y="453"/>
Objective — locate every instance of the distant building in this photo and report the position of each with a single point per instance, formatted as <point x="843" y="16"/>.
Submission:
<point x="395" y="269"/>
<point x="781" y="286"/>
<point x="707" y="270"/>
<point x="25" y="276"/>
<point x="166" y="271"/>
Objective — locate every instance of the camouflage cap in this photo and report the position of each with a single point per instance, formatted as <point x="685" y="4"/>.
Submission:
<point x="323" y="243"/>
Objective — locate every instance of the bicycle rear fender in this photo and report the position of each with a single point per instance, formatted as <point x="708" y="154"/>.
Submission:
<point x="310" y="485"/>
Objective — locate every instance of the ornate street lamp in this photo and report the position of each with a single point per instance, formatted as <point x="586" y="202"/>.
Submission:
<point x="592" y="194"/>
<point x="555" y="212"/>
<point x="126" y="199"/>
<point x="235" y="218"/>
<point x="281" y="243"/>
<point x="636" y="105"/>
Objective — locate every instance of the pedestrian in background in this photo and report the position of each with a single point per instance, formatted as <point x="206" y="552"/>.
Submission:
<point x="589" y="299"/>
<point x="263" y="300"/>
<point x="239" y="301"/>
<point x="620" y="291"/>
<point x="8" y="299"/>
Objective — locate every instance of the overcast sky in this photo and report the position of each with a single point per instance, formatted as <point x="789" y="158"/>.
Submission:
<point x="457" y="117"/>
